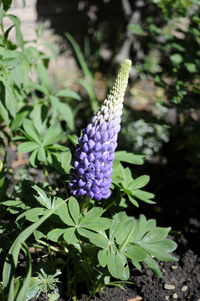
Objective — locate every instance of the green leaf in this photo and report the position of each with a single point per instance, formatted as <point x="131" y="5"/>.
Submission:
<point x="118" y="174"/>
<point x="129" y="157"/>
<point x="93" y="214"/>
<point x="69" y="236"/>
<point x="65" y="160"/>
<point x="10" y="99"/>
<point x="160" y="249"/>
<point x="133" y="201"/>
<point x="12" y="258"/>
<point x="68" y="93"/>
<point x="135" y="252"/>
<point x="74" y="209"/>
<point x="17" y="122"/>
<point x="53" y="135"/>
<point x="55" y="234"/>
<point x="43" y="75"/>
<point x="97" y="239"/>
<point x="139" y="182"/>
<point x="31" y="131"/>
<point x="80" y="57"/>
<point x="33" y="288"/>
<point x="191" y="67"/>
<point x="67" y="114"/>
<point x="144" y="196"/>
<point x="32" y="158"/>
<point x="64" y="111"/>
<point x="152" y="264"/>
<point x="121" y="221"/>
<point x="73" y="139"/>
<point x="6" y="4"/>
<point x="101" y="224"/>
<point x="128" y="179"/>
<point x="176" y="58"/>
<point x="42" y="199"/>
<point x="118" y="266"/>
<point x="22" y="294"/>
<point x="27" y="147"/>
<point x="63" y="213"/>
<point x="103" y="257"/>
<point x="33" y="214"/>
<point x="156" y="234"/>
<point x="41" y="154"/>
<point x="4" y="113"/>
<point x="19" y="36"/>
<point x="153" y="241"/>
<point x="136" y="29"/>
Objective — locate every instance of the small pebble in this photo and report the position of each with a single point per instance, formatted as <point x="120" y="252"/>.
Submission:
<point x="138" y="298"/>
<point x="169" y="286"/>
<point x="184" y="288"/>
<point x="175" y="296"/>
<point x="166" y="297"/>
<point x="174" y="267"/>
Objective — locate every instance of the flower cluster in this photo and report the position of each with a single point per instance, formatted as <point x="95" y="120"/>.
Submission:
<point x="92" y="167"/>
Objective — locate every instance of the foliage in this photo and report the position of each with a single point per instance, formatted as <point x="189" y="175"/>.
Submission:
<point x="87" y="242"/>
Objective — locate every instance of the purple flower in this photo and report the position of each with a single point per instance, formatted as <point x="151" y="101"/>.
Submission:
<point x="92" y="166"/>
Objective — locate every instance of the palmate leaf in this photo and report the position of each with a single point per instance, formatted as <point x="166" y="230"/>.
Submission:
<point x="11" y="262"/>
<point x="86" y="225"/>
<point x="137" y="240"/>
<point x="153" y="243"/>
<point x="132" y="186"/>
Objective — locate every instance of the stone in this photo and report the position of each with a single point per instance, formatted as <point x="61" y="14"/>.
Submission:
<point x="169" y="286"/>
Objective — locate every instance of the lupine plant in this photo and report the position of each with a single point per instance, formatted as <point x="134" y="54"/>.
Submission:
<point x="65" y="221"/>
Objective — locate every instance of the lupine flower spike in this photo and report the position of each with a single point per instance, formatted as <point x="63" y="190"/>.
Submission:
<point x="92" y="166"/>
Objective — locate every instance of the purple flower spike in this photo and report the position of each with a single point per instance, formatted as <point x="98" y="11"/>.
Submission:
<point x="92" y="167"/>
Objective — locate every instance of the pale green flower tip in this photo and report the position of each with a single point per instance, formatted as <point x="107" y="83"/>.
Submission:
<point x="126" y="66"/>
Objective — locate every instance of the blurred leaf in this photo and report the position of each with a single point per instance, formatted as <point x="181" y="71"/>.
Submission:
<point x="68" y="93"/>
<point x="136" y="29"/>
<point x="27" y="147"/>
<point x="73" y="139"/>
<point x="19" y="36"/>
<point x="176" y="58"/>
<point x="6" y="4"/>
<point x="53" y="135"/>
<point x="191" y="67"/>
<point x="43" y="76"/>
<point x="31" y="131"/>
